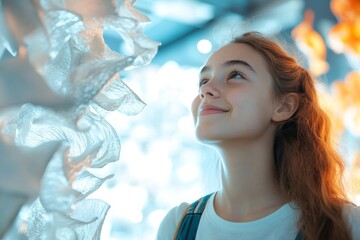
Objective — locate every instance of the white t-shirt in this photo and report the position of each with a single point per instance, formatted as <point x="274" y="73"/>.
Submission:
<point x="279" y="225"/>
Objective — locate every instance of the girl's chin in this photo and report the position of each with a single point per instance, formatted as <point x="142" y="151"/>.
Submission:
<point x="207" y="139"/>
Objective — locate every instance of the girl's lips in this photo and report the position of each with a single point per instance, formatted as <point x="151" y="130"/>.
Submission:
<point x="211" y="109"/>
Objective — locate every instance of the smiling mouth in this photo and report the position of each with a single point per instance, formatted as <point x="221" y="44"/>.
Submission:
<point x="211" y="111"/>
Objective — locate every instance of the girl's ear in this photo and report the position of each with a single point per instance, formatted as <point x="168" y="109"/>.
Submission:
<point x="286" y="107"/>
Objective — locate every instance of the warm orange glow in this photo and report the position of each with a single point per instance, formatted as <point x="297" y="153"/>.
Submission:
<point x="347" y="91"/>
<point x="355" y="175"/>
<point x="345" y="36"/>
<point x="347" y="99"/>
<point x="330" y="105"/>
<point x="345" y="9"/>
<point x="312" y="44"/>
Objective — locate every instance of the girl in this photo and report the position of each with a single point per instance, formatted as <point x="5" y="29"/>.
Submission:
<point x="281" y="177"/>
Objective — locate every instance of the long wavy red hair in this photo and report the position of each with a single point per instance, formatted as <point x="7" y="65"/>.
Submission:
<point x="308" y="167"/>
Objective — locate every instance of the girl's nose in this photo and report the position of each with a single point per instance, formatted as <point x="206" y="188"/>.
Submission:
<point x="209" y="89"/>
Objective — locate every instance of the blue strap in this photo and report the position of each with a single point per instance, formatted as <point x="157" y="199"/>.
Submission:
<point x="190" y="222"/>
<point x="299" y="236"/>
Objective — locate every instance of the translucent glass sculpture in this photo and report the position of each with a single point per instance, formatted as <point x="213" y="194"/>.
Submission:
<point x="58" y="80"/>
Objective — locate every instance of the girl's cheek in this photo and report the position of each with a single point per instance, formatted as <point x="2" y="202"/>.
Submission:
<point x="194" y="107"/>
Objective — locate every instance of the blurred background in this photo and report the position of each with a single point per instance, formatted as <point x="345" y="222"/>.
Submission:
<point x="161" y="164"/>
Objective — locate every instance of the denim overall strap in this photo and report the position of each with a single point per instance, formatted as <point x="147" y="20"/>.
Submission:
<point x="299" y="236"/>
<point x="190" y="221"/>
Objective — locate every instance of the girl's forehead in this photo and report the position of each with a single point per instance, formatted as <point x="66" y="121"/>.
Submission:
<point x="237" y="51"/>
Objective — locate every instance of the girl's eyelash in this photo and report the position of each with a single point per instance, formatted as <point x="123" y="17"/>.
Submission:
<point x="235" y="72"/>
<point x="202" y="82"/>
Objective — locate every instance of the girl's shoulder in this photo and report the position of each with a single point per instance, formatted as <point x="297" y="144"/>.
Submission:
<point x="169" y="223"/>
<point x="352" y="215"/>
<point x="176" y="213"/>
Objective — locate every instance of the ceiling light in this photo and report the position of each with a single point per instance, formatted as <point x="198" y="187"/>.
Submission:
<point x="204" y="46"/>
<point x="190" y="12"/>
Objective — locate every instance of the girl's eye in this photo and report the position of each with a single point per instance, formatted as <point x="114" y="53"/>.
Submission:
<point x="236" y="75"/>
<point x="202" y="82"/>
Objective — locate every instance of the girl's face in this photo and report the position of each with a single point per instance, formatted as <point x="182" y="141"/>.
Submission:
<point x="236" y="96"/>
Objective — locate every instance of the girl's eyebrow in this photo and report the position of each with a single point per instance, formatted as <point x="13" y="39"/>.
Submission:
<point x="230" y="63"/>
<point x="239" y="62"/>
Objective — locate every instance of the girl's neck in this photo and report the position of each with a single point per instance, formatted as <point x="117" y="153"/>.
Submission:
<point x="250" y="189"/>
